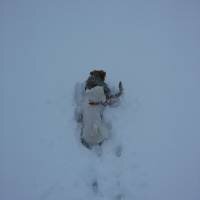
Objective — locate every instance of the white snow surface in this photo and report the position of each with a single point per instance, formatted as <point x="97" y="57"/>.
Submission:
<point x="153" y="47"/>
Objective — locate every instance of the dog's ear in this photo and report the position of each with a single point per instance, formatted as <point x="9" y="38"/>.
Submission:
<point x="102" y="74"/>
<point x="92" y="72"/>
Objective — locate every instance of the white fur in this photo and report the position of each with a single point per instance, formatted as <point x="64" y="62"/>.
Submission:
<point x="94" y="130"/>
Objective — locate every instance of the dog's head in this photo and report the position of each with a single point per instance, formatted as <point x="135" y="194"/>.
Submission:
<point x="98" y="73"/>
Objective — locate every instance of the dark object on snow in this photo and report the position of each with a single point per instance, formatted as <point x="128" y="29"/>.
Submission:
<point x="95" y="186"/>
<point x="97" y="78"/>
<point x="96" y="96"/>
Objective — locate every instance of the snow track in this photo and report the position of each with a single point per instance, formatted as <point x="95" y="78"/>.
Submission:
<point x="110" y="173"/>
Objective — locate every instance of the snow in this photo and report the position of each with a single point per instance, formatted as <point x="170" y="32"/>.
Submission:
<point x="49" y="46"/>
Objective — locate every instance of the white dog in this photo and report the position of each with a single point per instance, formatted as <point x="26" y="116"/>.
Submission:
<point x="91" y="98"/>
<point x="94" y="130"/>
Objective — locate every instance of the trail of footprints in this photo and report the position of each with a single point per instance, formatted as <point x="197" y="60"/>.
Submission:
<point x="95" y="185"/>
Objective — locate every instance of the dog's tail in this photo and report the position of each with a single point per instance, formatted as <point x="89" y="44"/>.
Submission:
<point x="118" y="94"/>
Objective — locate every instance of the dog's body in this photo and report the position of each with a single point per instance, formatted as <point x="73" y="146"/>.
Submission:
<point x="94" y="130"/>
<point x="91" y="103"/>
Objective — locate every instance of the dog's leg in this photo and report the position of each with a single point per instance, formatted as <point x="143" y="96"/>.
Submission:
<point x="84" y="143"/>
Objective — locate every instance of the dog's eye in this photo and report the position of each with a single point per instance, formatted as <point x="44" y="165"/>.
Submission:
<point x="92" y="78"/>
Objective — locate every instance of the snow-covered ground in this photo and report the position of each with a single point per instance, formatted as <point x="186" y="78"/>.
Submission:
<point x="153" y="47"/>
